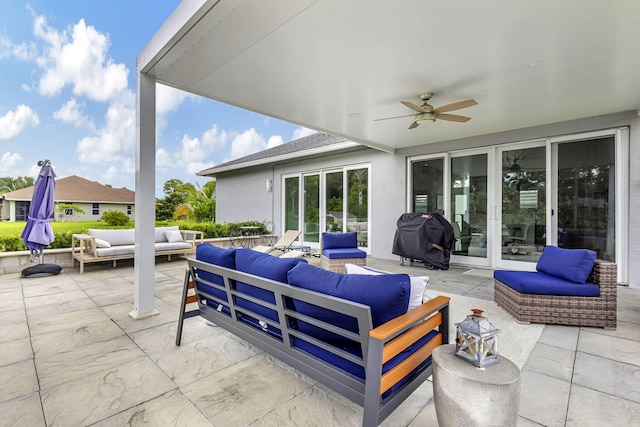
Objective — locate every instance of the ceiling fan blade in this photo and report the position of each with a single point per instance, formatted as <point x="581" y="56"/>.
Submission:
<point x="456" y="106"/>
<point x="413" y="106"/>
<point x="414" y="125"/>
<point x="397" y="117"/>
<point x="453" y="118"/>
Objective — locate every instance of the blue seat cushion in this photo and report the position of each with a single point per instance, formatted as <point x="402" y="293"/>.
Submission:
<point x="269" y="267"/>
<point x="574" y="265"/>
<point x="354" y="349"/>
<point x="217" y="256"/>
<point x="386" y="295"/>
<point x="533" y="282"/>
<point x="340" y="240"/>
<point x="344" y="253"/>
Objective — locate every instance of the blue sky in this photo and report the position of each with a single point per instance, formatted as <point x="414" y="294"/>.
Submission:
<point x="67" y="93"/>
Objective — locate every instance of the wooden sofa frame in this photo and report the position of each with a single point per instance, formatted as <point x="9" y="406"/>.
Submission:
<point x="86" y="249"/>
<point x="378" y="345"/>
<point x="600" y="311"/>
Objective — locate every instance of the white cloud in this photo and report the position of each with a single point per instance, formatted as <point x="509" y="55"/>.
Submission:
<point x="111" y="173"/>
<point x="301" y="132"/>
<point x="194" y="152"/>
<point x="120" y="173"/>
<point x="274" y="141"/>
<point x="168" y="99"/>
<point x="14" y="122"/>
<point x="163" y="160"/>
<point x="115" y="142"/>
<point x="71" y="112"/>
<point x="9" y="164"/>
<point x="248" y="142"/>
<point x="195" y="167"/>
<point x="78" y="57"/>
<point x="24" y="51"/>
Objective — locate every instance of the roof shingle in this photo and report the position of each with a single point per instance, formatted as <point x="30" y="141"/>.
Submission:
<point x="76" y="189"/>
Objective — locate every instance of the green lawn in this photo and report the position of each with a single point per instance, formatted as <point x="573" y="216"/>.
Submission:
<point x="15" y="228"/>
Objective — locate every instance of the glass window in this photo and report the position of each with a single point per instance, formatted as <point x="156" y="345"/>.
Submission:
<point x="334" y="203"/>
<point x="427" y="185"/>
<point x="469" y="205"/>
<point x="358" y="204"/>
<point x="95" y="209"/>
<point x="586" y="196"/>
<point x="523" y="203"/>
<point x="291" y="203"/>
<point x="311" y="206"/>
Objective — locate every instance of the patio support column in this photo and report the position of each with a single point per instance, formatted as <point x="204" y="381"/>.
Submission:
<point x="144" y="261"/>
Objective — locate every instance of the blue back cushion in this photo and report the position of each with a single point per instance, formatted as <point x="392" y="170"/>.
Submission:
<point x="538" y="283"/>
<point x="387" y="296"/>
<point x="218" y="256"/>
<point x="340" y="240"/>
<point x="574" y="265"/>
<point x="269" y="267"/>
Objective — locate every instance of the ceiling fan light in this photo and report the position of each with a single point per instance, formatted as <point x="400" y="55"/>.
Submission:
<point x="425" y="118"/>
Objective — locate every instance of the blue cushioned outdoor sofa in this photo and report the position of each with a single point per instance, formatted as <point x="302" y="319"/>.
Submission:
<point x="351" y="333"/>
<point x="569" y="287"/>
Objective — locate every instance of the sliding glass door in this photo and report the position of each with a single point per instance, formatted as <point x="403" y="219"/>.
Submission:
<point x="522" y="203"/>
<point x="585" y="196"/>
<point x="334" y="201"/>
<point x="469" y="208"/>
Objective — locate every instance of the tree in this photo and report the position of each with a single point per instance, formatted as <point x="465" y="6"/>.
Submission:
<point x="203" y="202"/>
<point x="176" y="192"/>
<point x="201" y="205"/>
<point x="8" y="184"/>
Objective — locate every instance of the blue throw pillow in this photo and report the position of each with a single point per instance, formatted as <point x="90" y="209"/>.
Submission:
<point x="386" y="295"/>
<point x="217" y="256"/>
<point x="340" y="240"/>
<point x="574" y="265"/>
<point x="269" y="267"/>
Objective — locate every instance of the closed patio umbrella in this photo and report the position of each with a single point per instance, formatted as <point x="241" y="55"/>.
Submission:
<point x="37" y="234"/>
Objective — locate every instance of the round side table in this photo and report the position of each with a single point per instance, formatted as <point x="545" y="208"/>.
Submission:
<point x="468" y="396"/>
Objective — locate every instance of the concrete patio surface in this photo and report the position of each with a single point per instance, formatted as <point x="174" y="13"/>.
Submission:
<point x="72" y="356"/>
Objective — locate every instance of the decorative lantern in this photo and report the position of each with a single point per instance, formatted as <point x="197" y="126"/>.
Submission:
<point x="477" y="340"/>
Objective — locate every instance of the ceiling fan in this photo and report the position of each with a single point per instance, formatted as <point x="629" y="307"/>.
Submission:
<point x="427" y="114"/>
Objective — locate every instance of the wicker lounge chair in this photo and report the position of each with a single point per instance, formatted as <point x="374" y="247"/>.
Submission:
<point x="595" y="311"/>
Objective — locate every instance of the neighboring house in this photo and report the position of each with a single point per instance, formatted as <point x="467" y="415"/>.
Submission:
<point x="92" y="197"/>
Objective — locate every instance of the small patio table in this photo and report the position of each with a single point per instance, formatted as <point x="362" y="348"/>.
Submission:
<point x="465" y="395"/>
<point x="248" y="234"/>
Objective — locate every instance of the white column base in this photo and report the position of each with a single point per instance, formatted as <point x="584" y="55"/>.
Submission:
<point x="138" y="316"/>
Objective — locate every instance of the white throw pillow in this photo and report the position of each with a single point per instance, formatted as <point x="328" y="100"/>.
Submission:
<point x="173" y="236"/>
<point x="418" y="283"/>
<point x="102" y="243"/>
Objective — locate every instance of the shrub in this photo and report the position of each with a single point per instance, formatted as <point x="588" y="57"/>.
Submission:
<point x="115" y="218"/>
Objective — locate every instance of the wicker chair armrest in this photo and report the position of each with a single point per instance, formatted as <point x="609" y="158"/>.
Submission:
<point x="604" y="274"/>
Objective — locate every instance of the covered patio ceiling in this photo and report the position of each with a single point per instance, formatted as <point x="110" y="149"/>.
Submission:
<point x="335" y="65"/>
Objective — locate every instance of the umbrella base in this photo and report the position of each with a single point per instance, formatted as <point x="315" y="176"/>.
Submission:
<point x="41" y="270"/>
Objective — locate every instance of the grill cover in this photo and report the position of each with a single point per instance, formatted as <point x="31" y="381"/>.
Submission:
<point x="425" y="237"/>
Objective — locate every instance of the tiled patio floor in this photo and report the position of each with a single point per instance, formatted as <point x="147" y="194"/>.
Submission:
<point x="71" y="356"/>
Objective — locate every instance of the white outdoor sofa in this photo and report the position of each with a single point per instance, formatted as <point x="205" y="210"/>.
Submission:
<point x="111" y="245"/>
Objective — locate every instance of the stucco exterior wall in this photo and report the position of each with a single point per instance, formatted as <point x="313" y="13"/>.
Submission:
<point x="77" y="216"/>
<point x="243" y="196"/>
<point x="88" y="215"/>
